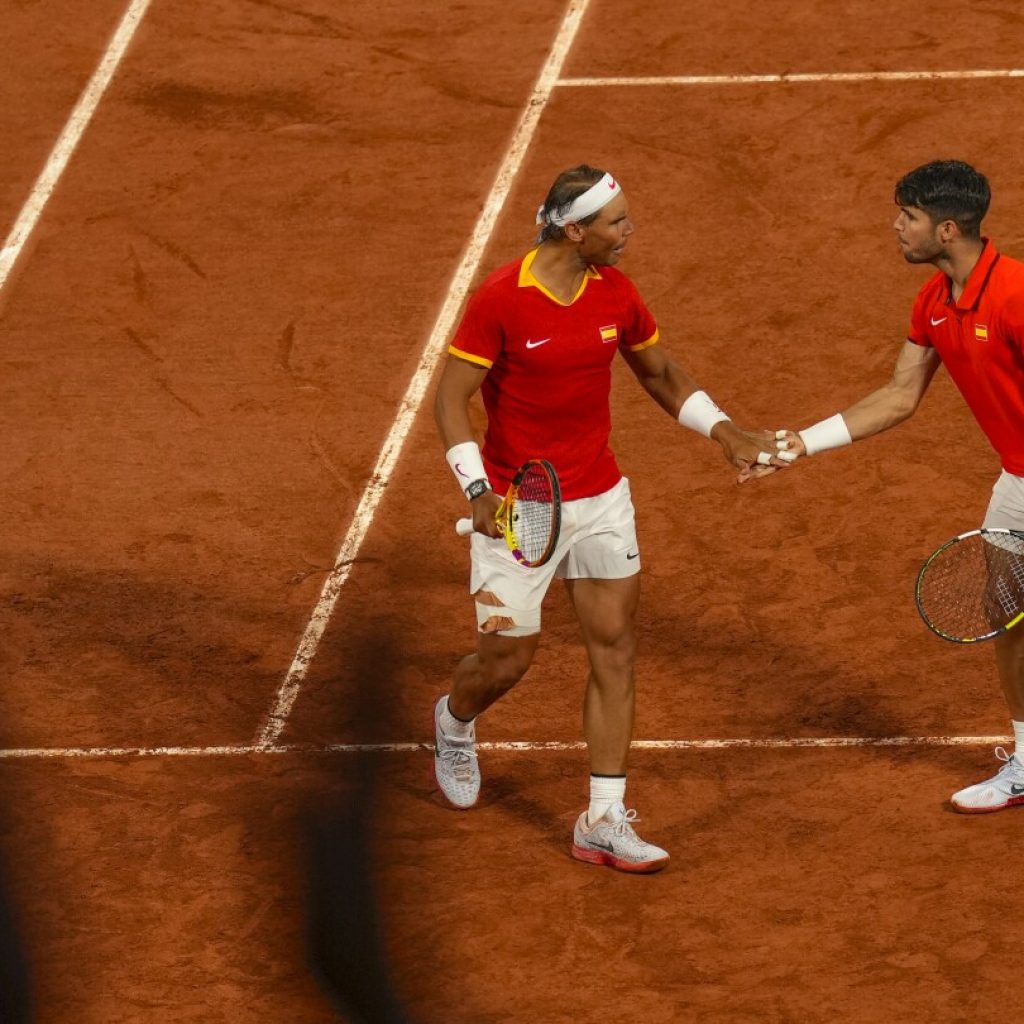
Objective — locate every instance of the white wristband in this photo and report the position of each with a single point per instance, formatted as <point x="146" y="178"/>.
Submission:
<point x="700" y="413"/>
<point x="466" y="463"/>
<point x="830" y="433"/>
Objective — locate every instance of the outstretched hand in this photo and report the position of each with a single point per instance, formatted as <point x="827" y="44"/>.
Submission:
<point x="789" y="447"/>
<point x="751" y="450"/>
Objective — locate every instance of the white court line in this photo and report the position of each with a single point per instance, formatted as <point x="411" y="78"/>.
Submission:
<point x="69" y="138"/>
<point x="272" y="728"/>
<point x="777" y="743"/>
<point x="839" y="76"/>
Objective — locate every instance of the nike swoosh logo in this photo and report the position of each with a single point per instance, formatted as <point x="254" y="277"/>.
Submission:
<point x="537" y="344"/>
<point x="631" y="557"/>
<point x="935" y="323"/>
<point x="1016" y="790"/>
<point x="602" y="846"/>
<point x="458" y="469"/>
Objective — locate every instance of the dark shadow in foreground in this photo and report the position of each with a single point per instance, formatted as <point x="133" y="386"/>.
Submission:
<point x="343" y="943"/>
<point x="15" y="980"/>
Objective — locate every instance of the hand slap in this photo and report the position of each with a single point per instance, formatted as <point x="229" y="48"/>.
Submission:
<point x="788" y="448"/>
<point x="789" y="444"/>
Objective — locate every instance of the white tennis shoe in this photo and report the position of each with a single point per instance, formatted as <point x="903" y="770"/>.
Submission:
<point x="612" y="840"/>
<point x="455" y="764"/>
<point x="1004" y="789"/>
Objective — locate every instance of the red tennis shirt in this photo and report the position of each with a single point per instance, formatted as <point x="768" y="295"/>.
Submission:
<point x="547" y="390"/>
<point x="980" y="338"/>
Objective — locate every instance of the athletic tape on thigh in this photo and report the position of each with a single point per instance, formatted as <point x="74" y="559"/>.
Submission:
<point x="526" y="622"/>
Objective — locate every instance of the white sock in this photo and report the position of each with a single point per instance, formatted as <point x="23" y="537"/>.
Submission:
<point x="1018" y="737"/>
<point x="455" y="727"/>
<point x="606" y="790"/>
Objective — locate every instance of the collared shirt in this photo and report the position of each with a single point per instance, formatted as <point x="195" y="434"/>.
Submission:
<point x="980" y="338"/>
<point x="547" y="390"/>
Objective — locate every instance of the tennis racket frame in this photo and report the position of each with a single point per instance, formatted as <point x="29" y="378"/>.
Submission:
<point x="505" y="515"/>
<point x="922" y="574"/>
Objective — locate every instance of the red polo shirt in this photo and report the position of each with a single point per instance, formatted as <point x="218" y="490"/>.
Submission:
<point x="547" y="390"/>
<point x="980" y="338"/>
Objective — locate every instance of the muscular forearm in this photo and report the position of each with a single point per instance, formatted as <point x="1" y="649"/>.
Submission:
<point x="884" y="408"/>
<point x="453" y="422"/>
<point x="680" y="396"/>
<point x="670" y="388"/>
<point x="887" y="407"/>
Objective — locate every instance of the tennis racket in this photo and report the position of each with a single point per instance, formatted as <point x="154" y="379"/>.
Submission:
<point x="530" y="515"/>
<point x="972" y="587"/>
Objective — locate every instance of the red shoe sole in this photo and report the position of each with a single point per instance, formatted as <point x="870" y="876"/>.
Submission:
<point x="1014" y="801"/>
<point x="646" y="867"/>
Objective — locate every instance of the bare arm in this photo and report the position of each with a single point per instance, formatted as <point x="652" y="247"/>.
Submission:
<point x="887" y="407"/>
<point x="661" y="377"/>
<point x="670" y="386"/>
<point x="460" y="381"/>
<point x="890" y="405"/>
<point x="897" y="400"/>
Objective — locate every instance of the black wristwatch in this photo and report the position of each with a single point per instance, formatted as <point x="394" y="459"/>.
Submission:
<point x="476" y="488"/>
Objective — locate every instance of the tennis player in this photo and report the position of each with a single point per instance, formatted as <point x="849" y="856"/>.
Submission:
<point x="969" y="316"/>
<point x="538" y="339"/>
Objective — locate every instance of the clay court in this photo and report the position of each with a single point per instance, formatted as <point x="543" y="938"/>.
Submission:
<point x="231" y="590"/>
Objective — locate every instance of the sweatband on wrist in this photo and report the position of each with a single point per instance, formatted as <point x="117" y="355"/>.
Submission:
<point x="700" y="413"/>
<point x="830" y="433"/>
<point x="466" y="463"/>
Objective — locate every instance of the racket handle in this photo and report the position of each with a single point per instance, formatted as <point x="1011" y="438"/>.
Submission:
<point x="464" y="527"/>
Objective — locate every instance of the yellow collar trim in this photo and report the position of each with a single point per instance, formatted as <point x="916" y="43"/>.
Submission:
<point x="528" y="280"/>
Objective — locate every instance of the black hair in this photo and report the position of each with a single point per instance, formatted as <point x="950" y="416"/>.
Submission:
<point x="947" y="190"/>
<point x="568" y="185"/>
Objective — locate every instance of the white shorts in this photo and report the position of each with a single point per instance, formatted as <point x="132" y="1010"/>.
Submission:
<point x="597" y="541"/>
<point x="1006" y="509"/>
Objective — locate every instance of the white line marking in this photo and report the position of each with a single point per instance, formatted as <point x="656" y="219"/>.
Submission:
<point x="69" y="138"/>
<point x="432" y="351"/>
<point x="242" y="750"/>
<point x="839" y="76"/>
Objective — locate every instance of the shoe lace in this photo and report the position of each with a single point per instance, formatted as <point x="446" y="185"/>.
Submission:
<point x="1010" y="762"/>
<point x="459" y="761"/>
<point x="624" y="826"/>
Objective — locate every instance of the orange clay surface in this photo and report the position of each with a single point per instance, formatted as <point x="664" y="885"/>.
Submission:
<point x="203" y="349"/>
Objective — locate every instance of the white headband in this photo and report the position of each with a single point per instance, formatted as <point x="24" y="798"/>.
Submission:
<point x="584" y="204"/>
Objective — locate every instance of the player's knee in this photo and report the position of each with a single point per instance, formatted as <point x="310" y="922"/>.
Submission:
<point x="612" y="665"/>
<point x="618" y="646"/>
<point x="505" y="662"/>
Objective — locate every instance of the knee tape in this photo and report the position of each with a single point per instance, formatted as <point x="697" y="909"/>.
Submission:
<point x="527" y="622"/>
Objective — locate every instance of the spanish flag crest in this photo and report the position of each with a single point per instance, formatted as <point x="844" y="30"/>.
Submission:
<point x="609" y="333"/>
<point x="981" y="332"/>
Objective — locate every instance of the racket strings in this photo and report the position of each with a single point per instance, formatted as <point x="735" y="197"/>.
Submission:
<point x="975" y="587"/>
<point x="534" y="513"/>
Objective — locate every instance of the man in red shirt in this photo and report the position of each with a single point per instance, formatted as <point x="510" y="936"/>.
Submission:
<point x="538" y="339"/>
<point x="969" y="316"/>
